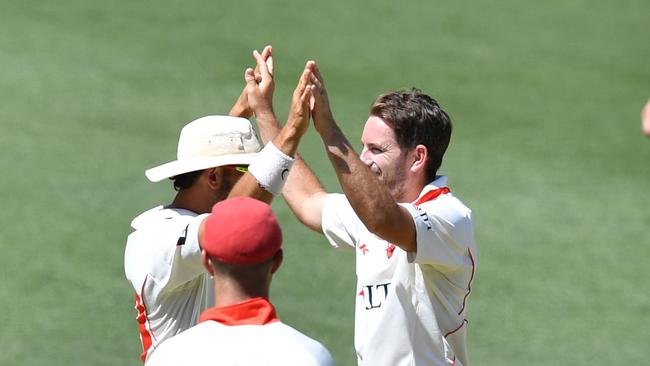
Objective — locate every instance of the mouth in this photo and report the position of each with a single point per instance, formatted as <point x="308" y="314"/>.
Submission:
<point x="375" y="170"/>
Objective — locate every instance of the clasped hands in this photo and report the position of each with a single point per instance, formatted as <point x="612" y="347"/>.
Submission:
<point x="309" y="97"/>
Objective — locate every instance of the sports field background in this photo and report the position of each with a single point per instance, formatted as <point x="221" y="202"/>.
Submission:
<point x="547" y="150"/>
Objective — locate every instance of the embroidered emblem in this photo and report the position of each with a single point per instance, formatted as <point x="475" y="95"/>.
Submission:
<point x="389" y="250"/>
<point x="364" y="249"/>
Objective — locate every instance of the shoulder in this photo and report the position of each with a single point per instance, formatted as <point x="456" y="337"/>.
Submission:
<point x="447" y="205"/>
<point x="183" y="343"/>
<point x="305" y="349"/>
<point x="158" y="214"/>
<point x="436" y="199"/>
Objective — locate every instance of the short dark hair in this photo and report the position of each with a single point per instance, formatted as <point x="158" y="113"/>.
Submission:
<point x="416" y="118"/>
<point x="185" y="180"/>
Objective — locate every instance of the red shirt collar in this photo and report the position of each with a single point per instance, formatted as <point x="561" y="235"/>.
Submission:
<point x="431" y="195"/>
<point x="257" y="311"/>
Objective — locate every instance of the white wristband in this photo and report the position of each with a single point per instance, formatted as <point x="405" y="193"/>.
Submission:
<point x="271" y="168"/>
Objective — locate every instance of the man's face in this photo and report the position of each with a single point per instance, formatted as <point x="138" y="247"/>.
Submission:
<point x="230" y="174"/>
<point x="383" y="156"/>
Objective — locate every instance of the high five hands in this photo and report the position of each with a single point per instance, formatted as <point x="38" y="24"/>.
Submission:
<point x="309" y="100"/>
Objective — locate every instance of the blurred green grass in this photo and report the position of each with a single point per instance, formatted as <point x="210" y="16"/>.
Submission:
<point x="547" y="151"/>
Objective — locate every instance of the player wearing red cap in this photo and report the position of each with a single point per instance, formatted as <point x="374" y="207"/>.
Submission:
<point x="162" y="257"/>
<point x="241" y="242"/>
<point x="414" y="240"/>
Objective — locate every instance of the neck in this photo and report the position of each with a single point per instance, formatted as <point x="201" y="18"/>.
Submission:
<point x="227" y="292"/>
<point x="410" y="191"/>
<point x="191" y="199"/>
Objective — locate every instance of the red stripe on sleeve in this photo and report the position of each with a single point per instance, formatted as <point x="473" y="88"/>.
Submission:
<point x="145" y="334"/>
<point x="469" y="284"/>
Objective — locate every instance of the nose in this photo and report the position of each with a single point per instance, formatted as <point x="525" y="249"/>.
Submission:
<point x="364" y="157"/>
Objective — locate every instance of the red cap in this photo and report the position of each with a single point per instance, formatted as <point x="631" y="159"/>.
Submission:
<point x="241" y="230"/>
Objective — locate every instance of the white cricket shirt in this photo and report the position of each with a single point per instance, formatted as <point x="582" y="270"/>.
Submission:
<point x="247" y="333"/>
<point x="163" y="262"/>
<point x="410" y="307"/>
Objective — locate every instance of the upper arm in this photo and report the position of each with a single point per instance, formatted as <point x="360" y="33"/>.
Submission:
<point x="305" y="195"/>
<point x="309" y="210"/>
<point x="397" y="227"/>
<point x="444" y="234"/>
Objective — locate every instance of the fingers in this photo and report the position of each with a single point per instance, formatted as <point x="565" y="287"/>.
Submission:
<point x="266" y="52"/>
<point x="269" y="64"/>
<point x="268" y="57"/>
<point x="306" y="96"/>
<point x="316" y="71"/>
<point x="251" y="80"/>
<point x="262" y="66"/>
<point x="302" y="82"/>
<point x="312" y="100"/>
<point x="317" y="80"/>
<point x="249" y="75"/>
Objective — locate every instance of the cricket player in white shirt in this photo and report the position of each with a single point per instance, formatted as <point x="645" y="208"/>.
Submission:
<point x="218" y="157"/>
<point x="241" y="241"/>
<point x="413" y="239"/>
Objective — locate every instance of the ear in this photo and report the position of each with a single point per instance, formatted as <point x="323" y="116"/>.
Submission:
<point x="205" y="258"/>
<point x="214" y="176"/>
<point x="277" y="260"/>
<point x="419" y="157"/>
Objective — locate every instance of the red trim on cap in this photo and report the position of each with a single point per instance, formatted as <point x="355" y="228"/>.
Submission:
<point x="431" y="195"/>
<point x="142" y="318"/>
<point x="257" y="311"/>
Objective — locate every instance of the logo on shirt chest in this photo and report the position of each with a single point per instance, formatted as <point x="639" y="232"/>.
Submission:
<point x="374" y="296"/>
<point x="390" y="248"/>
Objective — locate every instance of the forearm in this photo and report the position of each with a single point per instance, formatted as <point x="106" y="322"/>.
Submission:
<point x="302" y="190"/>
<point x="241" y="107"/>
<point x="248" y="186"/>
<point x="304" y="194"/>
<point x="286" y="138"/>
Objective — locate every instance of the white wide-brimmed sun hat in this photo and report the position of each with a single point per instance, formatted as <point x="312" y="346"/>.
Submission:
<point x="209" y="142"/>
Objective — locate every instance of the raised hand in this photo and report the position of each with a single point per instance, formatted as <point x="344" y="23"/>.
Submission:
<point x="260" y="84"/>
<point x="299" y="112"/>
<point x="319" y="102"/>
<point x="242" y="108"/>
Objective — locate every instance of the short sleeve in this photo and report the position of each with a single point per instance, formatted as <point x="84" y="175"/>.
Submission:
<point x="339" y="223"/>
<point x="444" y="233"/>
<point x="185" y="263"/>
<point x="166" y="249"/>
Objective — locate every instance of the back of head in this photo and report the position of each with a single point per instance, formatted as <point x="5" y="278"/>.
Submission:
<point x="416" y="119"/>
<point x="241" y="231"/>
<point x="242" y="237"/>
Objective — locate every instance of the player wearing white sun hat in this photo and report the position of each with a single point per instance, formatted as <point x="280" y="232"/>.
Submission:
<point x="218" y="157"/>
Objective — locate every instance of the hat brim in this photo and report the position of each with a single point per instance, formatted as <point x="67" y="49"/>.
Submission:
<point x="176" y="167"/>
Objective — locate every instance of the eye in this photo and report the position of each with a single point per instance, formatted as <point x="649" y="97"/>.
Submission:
<point x="373" y="149"/>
